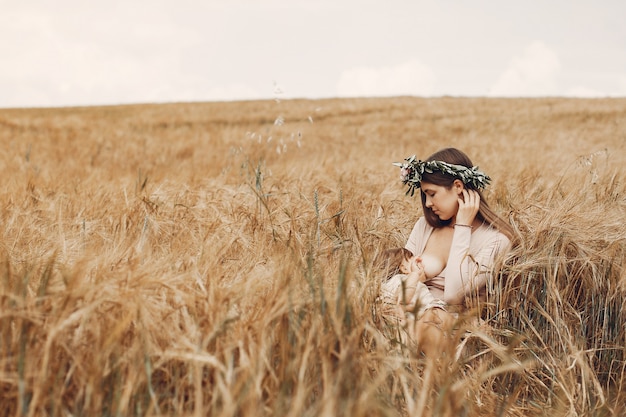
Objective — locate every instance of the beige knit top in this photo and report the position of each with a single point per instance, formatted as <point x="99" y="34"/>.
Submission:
<point x="470" y="262"/>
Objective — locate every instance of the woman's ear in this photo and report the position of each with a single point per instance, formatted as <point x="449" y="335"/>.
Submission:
<point x="458" y="186"/>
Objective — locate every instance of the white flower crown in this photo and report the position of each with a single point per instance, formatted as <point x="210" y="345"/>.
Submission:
<point x="411" y="173"/>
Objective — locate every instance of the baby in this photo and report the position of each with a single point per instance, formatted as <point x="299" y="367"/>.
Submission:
<point x="403" y="282"/>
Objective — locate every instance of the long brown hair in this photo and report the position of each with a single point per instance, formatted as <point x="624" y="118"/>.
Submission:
<point x="485" y="213"/>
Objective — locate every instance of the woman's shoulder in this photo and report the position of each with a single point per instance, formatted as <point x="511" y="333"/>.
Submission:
<point x="421" y="223"/>
<point x="418" y="236"/>
<point x="421" y="227"/>
<point x="490" y="233"/>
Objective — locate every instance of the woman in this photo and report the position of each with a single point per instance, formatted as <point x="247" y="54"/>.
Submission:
<point x="457" y="240"/>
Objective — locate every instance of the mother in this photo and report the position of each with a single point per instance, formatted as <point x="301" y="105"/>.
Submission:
<point x="457" y="241"/>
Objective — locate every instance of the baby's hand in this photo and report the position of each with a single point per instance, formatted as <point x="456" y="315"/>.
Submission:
<point x="418" y="267"/>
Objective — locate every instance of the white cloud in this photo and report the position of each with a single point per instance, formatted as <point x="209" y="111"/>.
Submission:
<point x="410" y="78"/>
<point x="534" y="73"/>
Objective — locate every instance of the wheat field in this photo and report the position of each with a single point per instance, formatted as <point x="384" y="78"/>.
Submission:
<point x="215" y="259"/>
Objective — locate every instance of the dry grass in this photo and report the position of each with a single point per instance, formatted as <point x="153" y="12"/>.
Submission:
<point x="214" y="259"/>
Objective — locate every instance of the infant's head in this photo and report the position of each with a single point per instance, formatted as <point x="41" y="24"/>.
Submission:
<point x="392" y="262"/>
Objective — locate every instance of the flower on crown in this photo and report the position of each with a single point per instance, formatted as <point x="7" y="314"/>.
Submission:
<point x="411" y="172"/>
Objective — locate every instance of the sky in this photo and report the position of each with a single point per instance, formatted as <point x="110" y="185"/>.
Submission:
<point x="57" y="53"/>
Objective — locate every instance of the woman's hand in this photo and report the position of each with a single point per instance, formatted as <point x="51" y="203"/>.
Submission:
<point x="469" y="203"/>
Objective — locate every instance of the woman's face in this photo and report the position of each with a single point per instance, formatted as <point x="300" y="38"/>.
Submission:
<point x="444" y="202"/>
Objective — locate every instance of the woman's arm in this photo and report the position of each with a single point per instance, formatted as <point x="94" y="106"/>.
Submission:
<point x="467" y="273"/>
<point x="419" y="233"/>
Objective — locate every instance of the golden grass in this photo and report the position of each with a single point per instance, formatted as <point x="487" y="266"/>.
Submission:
<point x="214" y="259"/>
